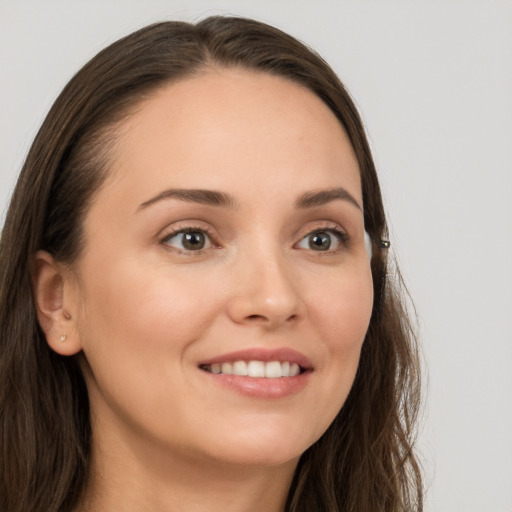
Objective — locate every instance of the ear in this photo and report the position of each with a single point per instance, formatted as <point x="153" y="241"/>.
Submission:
<point x="54" y="309"/>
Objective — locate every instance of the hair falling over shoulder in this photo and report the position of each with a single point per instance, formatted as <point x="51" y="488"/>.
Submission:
<point x="365" y="461"/>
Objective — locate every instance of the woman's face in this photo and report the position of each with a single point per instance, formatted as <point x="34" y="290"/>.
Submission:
<point x="228" y="234"/>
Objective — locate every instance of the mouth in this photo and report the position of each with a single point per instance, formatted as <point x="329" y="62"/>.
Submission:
<point x="255" y="368"/>
<point x="260" y="372"/>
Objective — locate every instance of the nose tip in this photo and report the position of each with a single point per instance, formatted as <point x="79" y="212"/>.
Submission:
<point x="267" y="297"/>
<point x="272" y="313"/>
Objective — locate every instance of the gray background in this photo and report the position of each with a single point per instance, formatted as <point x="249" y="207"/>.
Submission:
<point x="433" y="81"/>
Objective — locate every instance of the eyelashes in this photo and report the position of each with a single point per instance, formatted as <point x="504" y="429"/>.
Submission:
<point x="190" y="240"/>
<point x="194" y="240"/>
<point x="324" y="240"/>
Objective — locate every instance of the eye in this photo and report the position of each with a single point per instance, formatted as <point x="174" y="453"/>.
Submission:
<point x="323" y="240"/>
<point x="188" y="240"/>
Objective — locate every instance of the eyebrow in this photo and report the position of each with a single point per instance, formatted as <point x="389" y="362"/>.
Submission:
<point x="215" y="198"/>
<point x="208" y="197"/>
<point x="312" y="199"/>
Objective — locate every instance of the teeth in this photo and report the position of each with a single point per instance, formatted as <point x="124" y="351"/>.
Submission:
<point x="270" y="370"/>
<point x="294" y="370"/>
<point x="256" y="369"/>
<point x="239" y="368"/>
<point x="273" y="370"/>
<point x="227" y="368"/>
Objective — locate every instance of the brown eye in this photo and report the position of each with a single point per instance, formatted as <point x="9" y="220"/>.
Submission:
<point x="189" y="240"/>
<point x="319" y="241"/>
<point x="323" y="241"/>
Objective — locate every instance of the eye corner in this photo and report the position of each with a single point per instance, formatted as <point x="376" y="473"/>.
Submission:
<point x="324" y="238"/>
<point x="189" y="240"/>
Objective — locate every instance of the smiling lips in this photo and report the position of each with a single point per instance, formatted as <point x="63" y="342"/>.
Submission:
<point x="260" y="373"/>
<point x="270" y="370"/>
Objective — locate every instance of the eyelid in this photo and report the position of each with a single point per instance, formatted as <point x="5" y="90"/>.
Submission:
<point x="185" y="227"/>
<point x="328" y="227"/>
<point x="195" y="225"/>
<point x="325" y="225"/>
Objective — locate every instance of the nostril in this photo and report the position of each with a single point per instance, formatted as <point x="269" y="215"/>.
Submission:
<point x="256" y="317"/>
<point x="264" y="318"/>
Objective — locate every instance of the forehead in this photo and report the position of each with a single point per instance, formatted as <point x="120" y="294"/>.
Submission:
<point x="229" y="128"/>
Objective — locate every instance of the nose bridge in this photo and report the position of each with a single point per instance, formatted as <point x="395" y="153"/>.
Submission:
<point x="265" y="290"/>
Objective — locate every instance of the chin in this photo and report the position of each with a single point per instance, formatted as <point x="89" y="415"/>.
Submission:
<point x="262" y="447"/>
<point x="258" y="457"/>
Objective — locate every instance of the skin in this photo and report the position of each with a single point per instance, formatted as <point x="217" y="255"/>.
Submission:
<point x="145" y="312"/>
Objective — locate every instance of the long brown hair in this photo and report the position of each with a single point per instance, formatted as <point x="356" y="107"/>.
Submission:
<point x="364" y="462"/>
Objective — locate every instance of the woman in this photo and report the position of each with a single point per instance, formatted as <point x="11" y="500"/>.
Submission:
<point x="195" y="313"/>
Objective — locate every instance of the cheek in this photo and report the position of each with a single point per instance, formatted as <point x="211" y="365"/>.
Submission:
<point x="138" y="325"/>
<point x="341" y="316"/>
<point x="136" y="328"/>
<point x="136" y="303"/>
<point x="343" y="309"/>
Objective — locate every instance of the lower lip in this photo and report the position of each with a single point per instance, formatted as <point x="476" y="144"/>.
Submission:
<point x="262" y="387"/>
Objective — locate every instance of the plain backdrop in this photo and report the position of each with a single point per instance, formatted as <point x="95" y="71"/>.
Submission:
<point x="433" y="81"/>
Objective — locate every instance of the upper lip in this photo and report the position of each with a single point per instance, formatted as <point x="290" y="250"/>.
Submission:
<point x="262" y="354"/>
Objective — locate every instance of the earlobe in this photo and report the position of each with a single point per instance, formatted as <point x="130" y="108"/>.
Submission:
<point x="53" y="307"/>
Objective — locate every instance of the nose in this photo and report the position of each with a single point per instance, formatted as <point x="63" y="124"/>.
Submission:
<point x="265" y="292"/>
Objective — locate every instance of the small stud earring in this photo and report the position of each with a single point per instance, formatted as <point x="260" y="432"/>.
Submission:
<point x="63" y="337"/>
